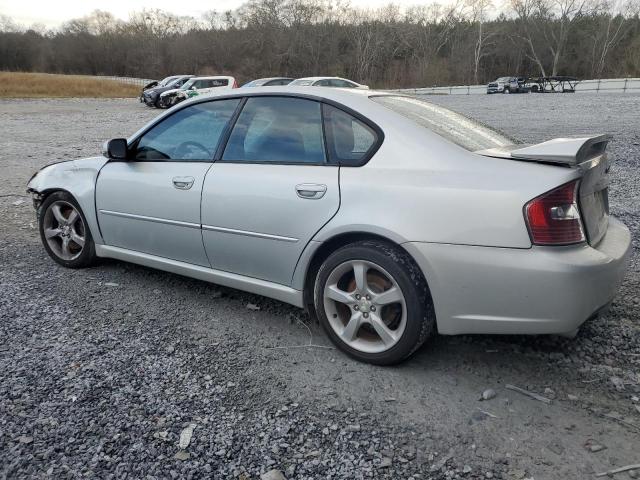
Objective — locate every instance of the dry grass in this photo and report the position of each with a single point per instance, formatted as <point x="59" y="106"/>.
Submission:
<point x="29" y="85"/>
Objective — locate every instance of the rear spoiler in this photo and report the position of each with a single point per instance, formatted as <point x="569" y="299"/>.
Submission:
<point x="563" y="151"/>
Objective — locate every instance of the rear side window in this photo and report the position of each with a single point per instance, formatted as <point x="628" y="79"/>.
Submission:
<point x="277" y="130"/>
<point x="218" y="82"/>
<point x="282" y="81"/>
<point x="452" y="126"/>
<point x="335" y="82"/>
<point x="348" y="139"/>
<point x="190" y="134"/>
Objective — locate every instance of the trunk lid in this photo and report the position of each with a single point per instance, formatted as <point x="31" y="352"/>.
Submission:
<point x="585" y="154"/>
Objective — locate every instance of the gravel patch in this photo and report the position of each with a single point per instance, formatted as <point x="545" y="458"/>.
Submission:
<point x="119" y="371"/>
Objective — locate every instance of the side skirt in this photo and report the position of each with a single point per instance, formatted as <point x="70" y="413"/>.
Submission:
<point x="232" y="280"/>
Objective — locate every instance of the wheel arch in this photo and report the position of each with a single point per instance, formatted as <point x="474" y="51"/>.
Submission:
<point x="322" y="250"/>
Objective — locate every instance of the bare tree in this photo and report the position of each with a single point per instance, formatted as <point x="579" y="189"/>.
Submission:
<point x="614" y="22"/>
<point x="479" y="11"/>
<point x="435" y="44"/>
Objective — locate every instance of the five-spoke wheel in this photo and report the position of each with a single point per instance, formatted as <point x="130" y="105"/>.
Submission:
<point x="373" y="302"/>
<point x="64" y="231"/>
<point x="365" y="306"/>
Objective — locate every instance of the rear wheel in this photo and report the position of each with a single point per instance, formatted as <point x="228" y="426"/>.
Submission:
<point x="506" y="90"/>
<point x="64" y="232"/>
<point x="373" y="302"/>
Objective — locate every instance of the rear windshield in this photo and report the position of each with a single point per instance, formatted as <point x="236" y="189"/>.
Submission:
<point x="456" y="128"/>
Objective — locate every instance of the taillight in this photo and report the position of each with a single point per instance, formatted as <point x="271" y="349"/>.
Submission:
<point x="553" y="218"/>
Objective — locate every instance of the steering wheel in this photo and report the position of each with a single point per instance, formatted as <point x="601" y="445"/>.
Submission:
<point x="184" y="150"/>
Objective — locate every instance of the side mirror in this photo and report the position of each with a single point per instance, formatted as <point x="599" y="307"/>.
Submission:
<point x="115" y="149"/>
<point x="193" y="88"/>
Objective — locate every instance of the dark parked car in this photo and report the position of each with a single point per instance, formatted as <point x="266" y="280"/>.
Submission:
<point x="156" y="83"/>
<point x="269" y="82"/>
<point x="151" y="96"/>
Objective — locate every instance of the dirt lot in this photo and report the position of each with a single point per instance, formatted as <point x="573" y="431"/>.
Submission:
<point x="102" y="369"/>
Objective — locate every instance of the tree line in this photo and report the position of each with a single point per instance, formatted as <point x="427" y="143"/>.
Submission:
<point x="460" y="43"/>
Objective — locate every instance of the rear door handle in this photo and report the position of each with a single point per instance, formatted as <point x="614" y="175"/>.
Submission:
<point x="183" y="183"/>
<point x="311" y="191"/>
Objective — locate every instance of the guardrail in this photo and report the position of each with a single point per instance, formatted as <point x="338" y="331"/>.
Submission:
<point x="141" y="82"/>
<point x="594" y="86"/>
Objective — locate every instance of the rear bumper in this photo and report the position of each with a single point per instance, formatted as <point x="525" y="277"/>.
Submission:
<point x="540" y="290"/>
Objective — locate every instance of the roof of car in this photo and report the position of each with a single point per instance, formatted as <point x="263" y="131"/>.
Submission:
<point x="214" y="77"/>
<point x="324" y="78"/>
<point x="266" y="79"/>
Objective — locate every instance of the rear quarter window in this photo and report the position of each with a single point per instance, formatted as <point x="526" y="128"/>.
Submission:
<point x="349" y="140"/>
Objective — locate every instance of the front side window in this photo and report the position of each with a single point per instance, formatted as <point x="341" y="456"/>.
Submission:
<point x="322" y="83"/>
<point x="277" y="130"/>
<point x="349" y="140"/>
<point x="190" y="134"/>
<point x="463" y="131"/>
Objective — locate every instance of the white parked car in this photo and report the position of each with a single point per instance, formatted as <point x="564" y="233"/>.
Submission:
<point x="387" y="216"/>
<point x="194" y="87"/>
<point x="335" y="82"/>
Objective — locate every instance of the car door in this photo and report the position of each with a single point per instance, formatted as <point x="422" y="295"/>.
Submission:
<point x="271" y="191"/>
<point x="151" y="203"/>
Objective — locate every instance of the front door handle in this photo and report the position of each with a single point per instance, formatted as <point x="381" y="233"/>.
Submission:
<point x="311" y="191"/>
<point x="183" y="183"/>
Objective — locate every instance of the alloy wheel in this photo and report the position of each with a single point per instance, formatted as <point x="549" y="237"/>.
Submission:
<point x="365" y="306"/>
<point x="64" y="230"/>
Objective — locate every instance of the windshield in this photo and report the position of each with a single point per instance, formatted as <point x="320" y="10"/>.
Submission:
<point x="173" y="82"/>
<point x="452" y="126"/>
<point x="165" y="81"/>
<point x="503" y="79"/>
<point x="302" y="83"/>
<point x="188" y="84"/>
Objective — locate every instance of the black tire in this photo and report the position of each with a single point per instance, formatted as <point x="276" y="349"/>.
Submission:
<point x="87" y="255"/>
<point x="506" y="90"/>
<point x="420" y="314"/>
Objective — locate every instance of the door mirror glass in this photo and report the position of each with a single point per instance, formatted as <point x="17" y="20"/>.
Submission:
<point x="115" y="149"/>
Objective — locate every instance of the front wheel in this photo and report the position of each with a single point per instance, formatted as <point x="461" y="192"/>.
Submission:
<point x="373" y="302"/>
<point x="64" y="232"/>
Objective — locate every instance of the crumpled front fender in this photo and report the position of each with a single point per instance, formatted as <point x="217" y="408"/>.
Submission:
<point x="78" y="178"/>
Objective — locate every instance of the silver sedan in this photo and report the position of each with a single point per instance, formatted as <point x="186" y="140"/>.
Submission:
<point x="388" y="217"/>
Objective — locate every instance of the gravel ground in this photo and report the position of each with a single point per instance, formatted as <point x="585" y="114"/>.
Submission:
<point x="103" y="369"/>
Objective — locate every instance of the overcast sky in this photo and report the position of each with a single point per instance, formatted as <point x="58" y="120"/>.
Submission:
<point x="53" y="12"/>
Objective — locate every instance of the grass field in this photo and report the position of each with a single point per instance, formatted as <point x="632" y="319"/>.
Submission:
<point x="31" y="85"/>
